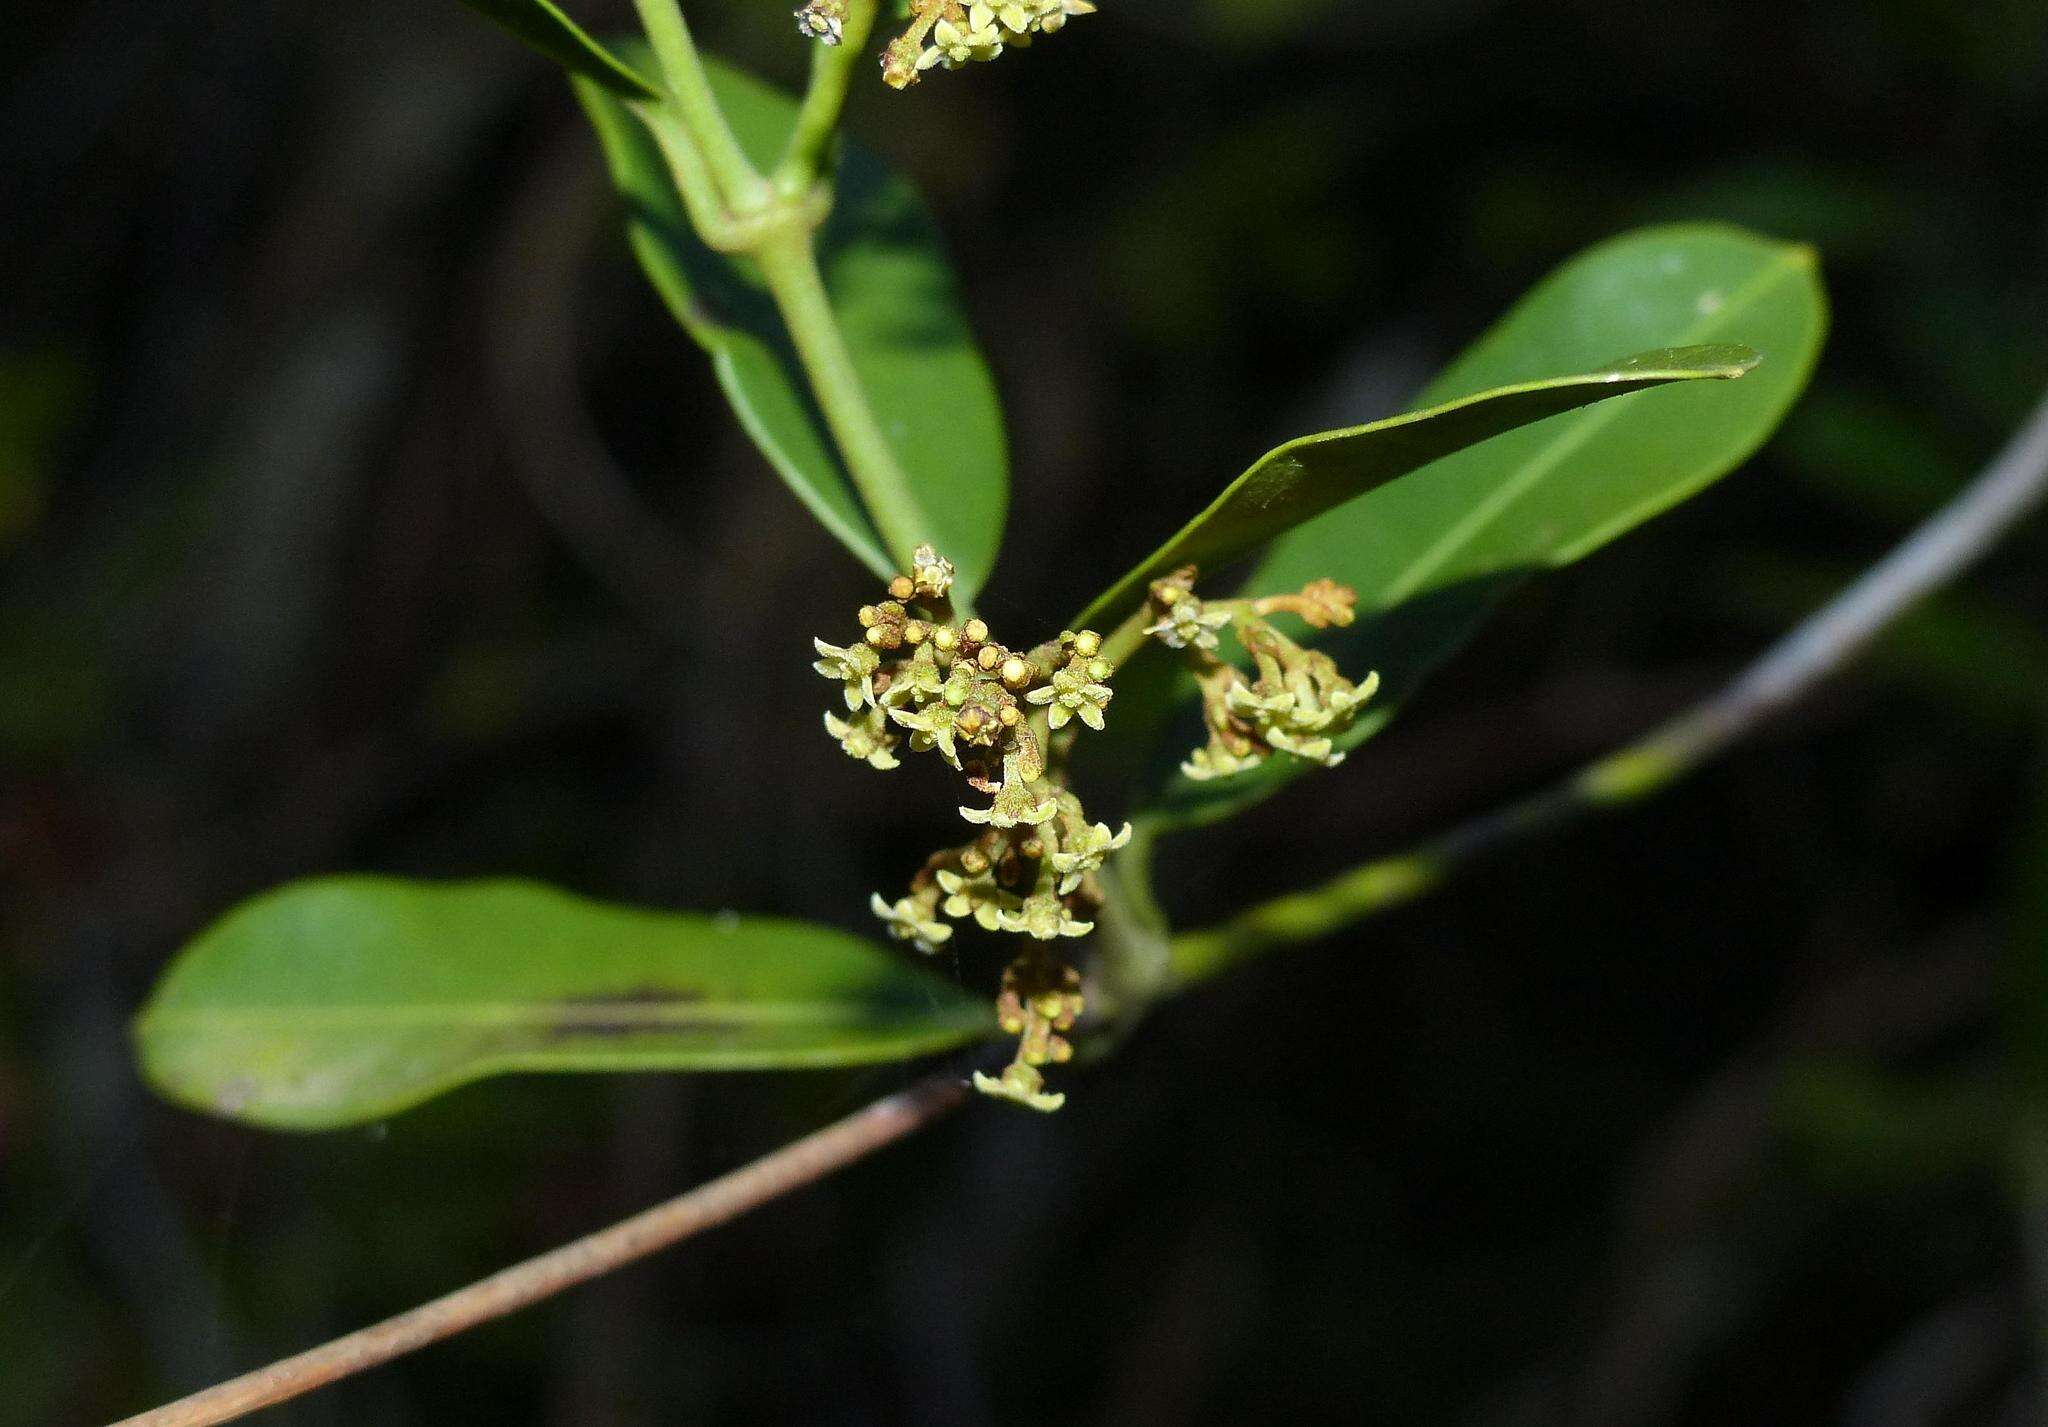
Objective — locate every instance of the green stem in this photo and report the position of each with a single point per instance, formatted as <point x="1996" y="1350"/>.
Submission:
<point x="741" y="187"/>
<point x="702" y="201"/>
<point x="790" y="267"/>
<point x="817" y="122"/>
<point x="1627" y="776"/>
<point x="1127" y="638"/>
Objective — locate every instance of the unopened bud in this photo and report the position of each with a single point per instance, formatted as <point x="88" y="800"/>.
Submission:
<point x="867" y="616"/>
<point x="901" y="588"/>
<point x="1016" y="673"/>
<point x="989" y="657"/>
<point x="976" y="631"/>
<point x="974" y="862"/>
<point x="1087" y="644"/>
<point x="914" y="631"/>
<point x="945" y="639"/>
<point x="1009" y="716"/>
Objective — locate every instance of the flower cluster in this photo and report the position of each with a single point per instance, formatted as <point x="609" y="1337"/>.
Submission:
<point x="1039" y="1000"/>
<point x="951" y="33"/>
<point x="1296" y="702"/>
<point x="1002" y="717"/>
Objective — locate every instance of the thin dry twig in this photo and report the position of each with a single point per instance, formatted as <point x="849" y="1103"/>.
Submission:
<point x="793" y="1166"/>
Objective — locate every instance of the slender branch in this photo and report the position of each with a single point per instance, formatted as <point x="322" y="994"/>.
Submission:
<point x="817" y="121"/>
<point x="1954" y="538"/>
<point x="790" y="267"/>
<point x="742" y="188"/>
<point x="707" y="1206"/>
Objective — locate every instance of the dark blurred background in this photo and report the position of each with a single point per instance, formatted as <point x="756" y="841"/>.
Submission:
<point x="361" y="509"/>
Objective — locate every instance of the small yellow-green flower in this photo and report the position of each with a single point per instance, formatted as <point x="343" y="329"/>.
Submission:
<point x="865" y="736"/>
<point x="1044" y="916"/>
<point x="977" y="897"/>
<point x="911" y="921"/>
<point x="1015" y="803"/>
<point x="930" y="572"/>
<point x="1086" y="849"/>
<point x="931" y="727"/>
<point x="854" y="666"/>
<point x="954" y="45"/>
<point x="1073" y="694"/>
<point x="1188" y="624"/>
<point x="917" y="680"/>
<point x="822" y="20"/>
<point x="1022" y="1084"/>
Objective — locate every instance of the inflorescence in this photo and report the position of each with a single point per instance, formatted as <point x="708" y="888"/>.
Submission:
<point x="947" y="33"/>
<point x="1295" y="703"/>
<point x="1006" y="718"/>
<point x="994" y="713"/>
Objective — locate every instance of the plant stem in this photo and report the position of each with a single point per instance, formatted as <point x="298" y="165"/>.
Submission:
<point x="742" y="188"/>
<point x="817" y="122"/>
<point x="2008" y="489"/>
<point x="707" y="1206"/>
<point x="790" y="267"/>
<point x="1127" y="638"/>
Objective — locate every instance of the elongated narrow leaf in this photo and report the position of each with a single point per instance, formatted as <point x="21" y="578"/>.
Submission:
<point x="543" y="25"/>
<point x="345" y="999"/>
<point x="898" y="309"/>
<point x="1431" y="553"/>
<point x="1299" y="481"/>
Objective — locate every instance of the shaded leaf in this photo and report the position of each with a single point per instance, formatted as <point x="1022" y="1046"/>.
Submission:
<point x="1297" y="482"/>
<point x="1430" y="554"/>
<point x="338" y="1000"/>
<point x="898" y="309"/>
<point x="543" y="25"/>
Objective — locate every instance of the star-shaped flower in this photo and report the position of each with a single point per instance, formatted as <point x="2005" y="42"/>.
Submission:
<point x="909" y="920"/>
<point x="1045" y="917"/>
<point x="1085" y="851"/>
<point x="1187" y="623"/>
<point x="931" y="727"/>
<point x="854" y="666"/>
<point x="866" y="737"/>
<point x="977" y="897"/>
<point x="1072" y="694"/>
<point x="1014" y="803"/>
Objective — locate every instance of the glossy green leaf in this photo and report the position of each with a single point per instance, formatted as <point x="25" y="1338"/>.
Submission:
<point x="898" y="308"/>
<point x="339" y="1000"/>
<point x="1431" y="553"/>
<point x="1293" y="484"/>
<point x="544" y="25"/>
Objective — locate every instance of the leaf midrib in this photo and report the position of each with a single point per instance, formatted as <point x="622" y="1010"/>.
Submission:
<point x="1593" y="420"/>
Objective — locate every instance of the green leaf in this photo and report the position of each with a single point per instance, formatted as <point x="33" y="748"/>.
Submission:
<point x="338" y="1000"/>
<point x="1430" y="554"/>
<point x="544" y="26"/>
<point x="898" y="309"/>
<point x="1293" y="484"/>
